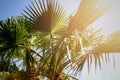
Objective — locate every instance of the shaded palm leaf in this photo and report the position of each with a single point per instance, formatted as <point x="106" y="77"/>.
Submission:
<point x="46" y="15"/>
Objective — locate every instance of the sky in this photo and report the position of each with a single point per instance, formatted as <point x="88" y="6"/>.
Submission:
<point x="12" y="7"/>
<point x="110" y="22"/>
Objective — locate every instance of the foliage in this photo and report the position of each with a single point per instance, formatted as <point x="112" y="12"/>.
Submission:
<point x="45" y="42"/>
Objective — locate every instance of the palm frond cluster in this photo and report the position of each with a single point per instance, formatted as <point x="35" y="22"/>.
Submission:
<point x="46" y="43"/>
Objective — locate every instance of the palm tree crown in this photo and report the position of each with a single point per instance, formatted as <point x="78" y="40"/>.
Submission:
<point x="46" y="43"/>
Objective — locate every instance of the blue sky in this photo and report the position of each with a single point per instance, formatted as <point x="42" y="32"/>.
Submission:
<point x="109" y="22"/>
<point x="12" y="7"/>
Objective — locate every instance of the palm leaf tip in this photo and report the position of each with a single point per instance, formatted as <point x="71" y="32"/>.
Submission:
<point x="110" y="45"/>
<point x="46" y="15"/>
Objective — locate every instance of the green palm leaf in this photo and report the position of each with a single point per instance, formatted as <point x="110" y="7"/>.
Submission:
<point x="12" y="37"/>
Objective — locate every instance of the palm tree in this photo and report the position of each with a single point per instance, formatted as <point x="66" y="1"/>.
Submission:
<point x="14" y="44"/>
<point x="49" y="43"/>
<point x="87" y="13"/>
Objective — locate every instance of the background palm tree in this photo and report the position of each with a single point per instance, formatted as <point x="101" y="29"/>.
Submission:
<point x="46" y="42"/>
<point x="14" y="44"/>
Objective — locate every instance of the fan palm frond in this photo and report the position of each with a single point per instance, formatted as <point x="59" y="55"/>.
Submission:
<point x="87" y="13"/>
<point x="80" y="49"/>
<point x="100" y="51"/>
<point x="46" y="15"/>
